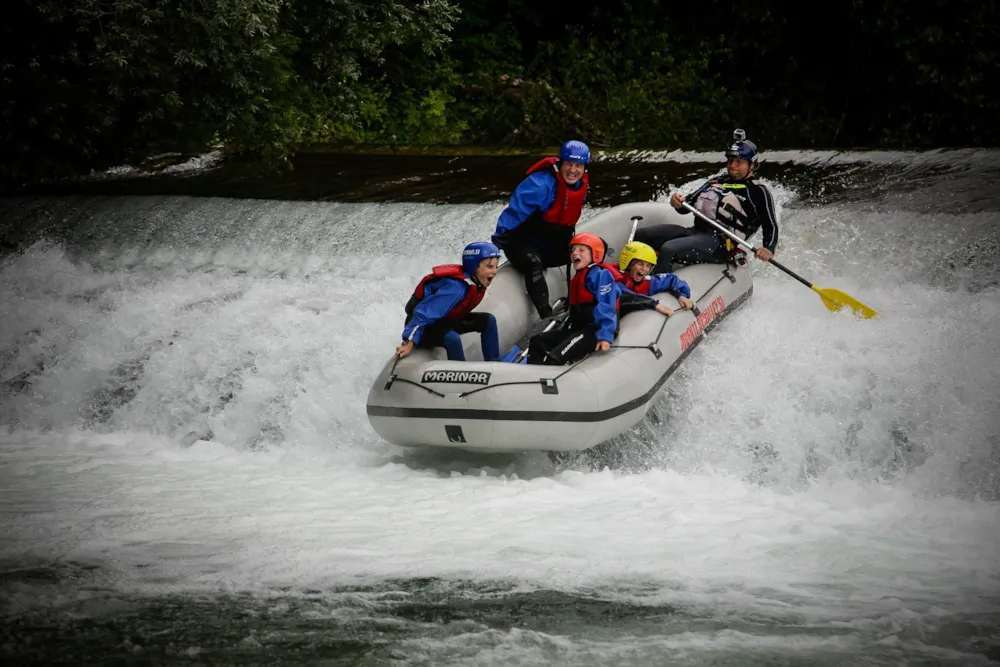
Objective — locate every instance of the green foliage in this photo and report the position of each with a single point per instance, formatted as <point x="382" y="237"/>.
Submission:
<point x="873" y="74"/>
<point x="937" y="68"/>
<point x="93" y="83"/>
<point x="632" y="90"/>
<point x="417" y="103"/>
<point x="100" y="82"/>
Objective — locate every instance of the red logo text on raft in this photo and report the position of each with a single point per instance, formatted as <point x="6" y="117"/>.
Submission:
<point x="691" y="333"/>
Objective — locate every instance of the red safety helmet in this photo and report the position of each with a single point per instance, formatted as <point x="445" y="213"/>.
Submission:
<point x="593" y="242"/>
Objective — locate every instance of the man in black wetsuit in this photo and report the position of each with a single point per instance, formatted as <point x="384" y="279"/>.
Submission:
<point x="735" y="200"/>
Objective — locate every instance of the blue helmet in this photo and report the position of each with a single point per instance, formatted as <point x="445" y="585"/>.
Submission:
<point x="476" y="252"/>
<point x="575" y="151"/>
<point x="742" y="148"/>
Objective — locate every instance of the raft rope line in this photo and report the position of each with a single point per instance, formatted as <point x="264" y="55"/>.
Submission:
<point x="415" y="384"/>
<point x="652" y="347"/>
<point x="393" y="378"/>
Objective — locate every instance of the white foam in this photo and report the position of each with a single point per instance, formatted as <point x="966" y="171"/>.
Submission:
<point x="243" y="458"/>
<point x="198" y="163"/>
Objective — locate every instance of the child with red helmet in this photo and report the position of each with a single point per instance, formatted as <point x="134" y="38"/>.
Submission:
<point x="593" y="309"/>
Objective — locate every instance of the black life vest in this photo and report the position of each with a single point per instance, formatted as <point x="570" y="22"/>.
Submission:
<point x="721" y="202"/>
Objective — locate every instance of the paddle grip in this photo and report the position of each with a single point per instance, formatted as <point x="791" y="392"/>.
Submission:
<point x="635" y="225"/>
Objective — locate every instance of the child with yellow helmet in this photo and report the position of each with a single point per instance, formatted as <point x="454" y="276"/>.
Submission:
<point x="634" y="264"/>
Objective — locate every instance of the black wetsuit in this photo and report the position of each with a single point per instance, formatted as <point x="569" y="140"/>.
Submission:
<point x="532" y="248"/>
<point x="702" y="243"/>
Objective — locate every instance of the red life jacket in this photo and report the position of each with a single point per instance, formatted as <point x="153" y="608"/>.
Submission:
<point x="568" y="204"/>
<point x="615" y="273"/>
<point x="578" y="292"/>
<point x="641" y="287"/>
<point x="474" y="293"/>
<point x="581" y="300"/>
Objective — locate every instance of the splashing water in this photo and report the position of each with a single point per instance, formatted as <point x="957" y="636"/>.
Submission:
<point x="183" y="385"/>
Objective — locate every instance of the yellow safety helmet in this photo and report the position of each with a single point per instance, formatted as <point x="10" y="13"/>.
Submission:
<point x="635" y="250"/>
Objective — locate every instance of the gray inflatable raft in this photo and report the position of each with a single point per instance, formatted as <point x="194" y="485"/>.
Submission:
<point x="477" y="406"/>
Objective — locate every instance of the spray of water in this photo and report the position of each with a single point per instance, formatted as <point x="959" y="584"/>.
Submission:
<point x="183" y="399"/>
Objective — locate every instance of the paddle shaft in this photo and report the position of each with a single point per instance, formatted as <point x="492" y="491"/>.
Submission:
<point x="635" y="225"/>
<point x="744" y="243"/>
<point x="548" y="327"/>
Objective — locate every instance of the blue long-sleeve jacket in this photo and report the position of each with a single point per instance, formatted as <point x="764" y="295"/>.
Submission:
<point x="606" y="290"/>
<point x="440" y="296"/>
<point x="535" y="194"/>
<point x="668" y="282"/>
<point x="658" y="282"/>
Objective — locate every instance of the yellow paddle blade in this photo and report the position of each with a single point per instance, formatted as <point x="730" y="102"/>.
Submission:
<point x="835" y="300"/>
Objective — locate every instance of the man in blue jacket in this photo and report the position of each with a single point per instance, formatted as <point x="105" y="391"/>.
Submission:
<point x="538" y="223"/>
<point x="440" y="309"/>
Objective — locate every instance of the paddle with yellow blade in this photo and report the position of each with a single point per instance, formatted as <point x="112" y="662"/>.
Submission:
<point x="832" y="298"/>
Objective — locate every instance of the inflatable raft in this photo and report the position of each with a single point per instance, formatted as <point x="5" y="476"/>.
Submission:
<point x="480" y="406"/>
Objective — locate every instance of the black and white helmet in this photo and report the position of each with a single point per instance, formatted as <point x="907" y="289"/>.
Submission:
<point x="742" y="148"/>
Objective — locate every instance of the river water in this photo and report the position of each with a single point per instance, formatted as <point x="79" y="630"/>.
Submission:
<point x="187" y="473"/>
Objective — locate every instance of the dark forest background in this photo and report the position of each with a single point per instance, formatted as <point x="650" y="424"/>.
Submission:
<point x="88" y="84"/>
